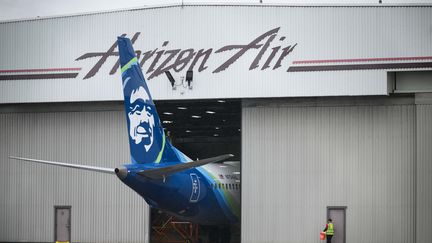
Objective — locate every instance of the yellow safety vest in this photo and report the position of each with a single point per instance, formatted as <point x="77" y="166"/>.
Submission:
<point x="330" y="229"/>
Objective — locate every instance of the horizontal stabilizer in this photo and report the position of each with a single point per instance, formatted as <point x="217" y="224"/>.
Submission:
<point x="75" y="166"/>
<point x="162" y="173"/>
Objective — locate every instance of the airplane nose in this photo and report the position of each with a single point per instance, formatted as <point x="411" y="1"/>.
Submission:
<point x="121" y="173"/>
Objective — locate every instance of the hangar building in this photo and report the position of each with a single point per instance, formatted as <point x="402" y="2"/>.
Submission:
<point x="329" y="109"/>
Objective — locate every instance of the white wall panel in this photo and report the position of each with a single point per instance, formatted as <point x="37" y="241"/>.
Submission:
<point x="368" y="33"/>
<point x="424" y="171"/>
<point x="299" y="160"/>
<point x="103" y="208"/>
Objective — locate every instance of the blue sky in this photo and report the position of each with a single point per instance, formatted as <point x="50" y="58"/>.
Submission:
<point x="19" y="9"/>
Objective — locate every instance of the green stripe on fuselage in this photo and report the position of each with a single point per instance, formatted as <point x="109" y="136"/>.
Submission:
<point x="234" y="206"/>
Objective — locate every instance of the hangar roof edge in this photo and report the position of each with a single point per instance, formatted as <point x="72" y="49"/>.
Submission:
<point x="219" y="5"/>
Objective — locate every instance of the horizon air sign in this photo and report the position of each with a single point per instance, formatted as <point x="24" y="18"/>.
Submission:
<point x="296" y="52"/>
<point x="268" y="51"/>
<point x="164" y="59"/>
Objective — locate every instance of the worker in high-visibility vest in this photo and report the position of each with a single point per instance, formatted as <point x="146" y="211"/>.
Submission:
<point x="329" y="229"/>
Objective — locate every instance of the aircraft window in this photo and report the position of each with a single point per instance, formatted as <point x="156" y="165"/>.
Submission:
<point x="230" y="186"/>
<point x="220" y="186"/>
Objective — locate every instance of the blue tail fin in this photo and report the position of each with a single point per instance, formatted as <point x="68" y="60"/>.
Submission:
<point x="146" y="135"/>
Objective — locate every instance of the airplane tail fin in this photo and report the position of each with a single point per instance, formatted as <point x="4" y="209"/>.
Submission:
<point x="147" y="140"/>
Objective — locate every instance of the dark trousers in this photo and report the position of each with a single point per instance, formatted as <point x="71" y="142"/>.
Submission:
<point x="329" y="238"/>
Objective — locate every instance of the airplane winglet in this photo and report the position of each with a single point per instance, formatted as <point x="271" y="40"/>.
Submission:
<point x="162" y="173"/>
<point x="75" y="166"/>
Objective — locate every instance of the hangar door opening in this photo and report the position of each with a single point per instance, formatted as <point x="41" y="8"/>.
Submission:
<point x="204" y="129"/>
<point x="95" y="134"/>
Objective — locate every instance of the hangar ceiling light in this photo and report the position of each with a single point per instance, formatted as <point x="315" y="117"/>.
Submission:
<point x="191" y="122"/>
<point x="210" y="112"/>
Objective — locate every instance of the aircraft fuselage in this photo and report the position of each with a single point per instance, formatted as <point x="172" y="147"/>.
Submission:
<point x="207" y="195"/>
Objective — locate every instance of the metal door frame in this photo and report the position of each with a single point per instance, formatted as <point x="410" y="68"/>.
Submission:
<point x="344" y="209"/>
<point x="55" y="221"/>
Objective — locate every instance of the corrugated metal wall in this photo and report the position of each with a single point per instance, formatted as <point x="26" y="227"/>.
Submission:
<point x="297" y="160"/>
<point x="103" y="209"/>
<point x="424" y="168"/>
<point x="321" y="33"/>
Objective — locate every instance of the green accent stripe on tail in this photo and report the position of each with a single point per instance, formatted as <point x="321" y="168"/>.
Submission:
<point x="162" y="149"/>
<point x="129" y="64"/>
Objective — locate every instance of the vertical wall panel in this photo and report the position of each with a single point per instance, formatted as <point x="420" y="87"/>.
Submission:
<point x="103" y="208"/>
<point x="424" y="172"/>
<point x="299" y="160"/>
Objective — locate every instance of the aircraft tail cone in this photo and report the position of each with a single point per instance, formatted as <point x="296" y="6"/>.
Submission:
<point x="121" y="173"/>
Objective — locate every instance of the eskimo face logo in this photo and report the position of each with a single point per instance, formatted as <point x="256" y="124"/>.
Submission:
<point x="141" y="118"/>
